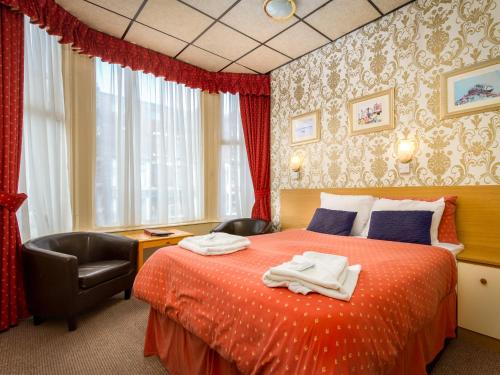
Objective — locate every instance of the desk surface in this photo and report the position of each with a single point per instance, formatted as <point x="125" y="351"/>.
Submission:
<point x="140" y="236"/>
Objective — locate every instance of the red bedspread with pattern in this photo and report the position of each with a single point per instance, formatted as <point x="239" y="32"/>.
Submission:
<point x="222" y="300"/>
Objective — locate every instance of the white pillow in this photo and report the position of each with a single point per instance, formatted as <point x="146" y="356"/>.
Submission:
<point x="361" y="204"/>
<point x="437" y="207"/>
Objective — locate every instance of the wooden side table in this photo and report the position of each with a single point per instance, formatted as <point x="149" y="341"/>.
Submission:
<point x="147" y="242"/>
<point x="478" y="291"/>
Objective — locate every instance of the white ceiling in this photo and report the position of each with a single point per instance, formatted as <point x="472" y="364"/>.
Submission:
<point x="228" y="35"/>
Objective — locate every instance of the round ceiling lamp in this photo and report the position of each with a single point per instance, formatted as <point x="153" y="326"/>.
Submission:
<point x="280" y="10"/>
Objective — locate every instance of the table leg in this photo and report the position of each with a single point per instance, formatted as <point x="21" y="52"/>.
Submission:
<point x="140" y="256"/>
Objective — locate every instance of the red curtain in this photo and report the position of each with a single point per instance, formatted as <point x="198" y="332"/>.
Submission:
<point x="12" y="300"/>
<point x="57" y="21"/>
<point x="255" y="117"/>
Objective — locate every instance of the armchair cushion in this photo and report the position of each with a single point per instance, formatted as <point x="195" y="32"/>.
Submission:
<point x="93" y="273"/>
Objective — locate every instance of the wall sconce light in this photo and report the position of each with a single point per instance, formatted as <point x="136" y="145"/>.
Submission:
<point x="295" y="165"/>
<point x="405" y="150"/>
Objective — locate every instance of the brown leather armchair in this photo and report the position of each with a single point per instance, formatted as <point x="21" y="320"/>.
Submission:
<point x="244" y="227"/>
<point x="70" y="272"/>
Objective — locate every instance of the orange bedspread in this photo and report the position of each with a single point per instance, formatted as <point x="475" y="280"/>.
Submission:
<point x="222" y="300"/>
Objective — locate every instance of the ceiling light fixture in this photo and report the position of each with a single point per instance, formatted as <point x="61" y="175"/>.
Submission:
<point x="280" y="10"/>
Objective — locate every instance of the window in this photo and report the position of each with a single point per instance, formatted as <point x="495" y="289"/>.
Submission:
<point x="44" y="159"/>
<point x="148" y="149"/>
<point x="236" y="195"/>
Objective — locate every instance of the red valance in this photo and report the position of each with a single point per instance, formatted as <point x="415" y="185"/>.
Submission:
<point x="47" y="14"/>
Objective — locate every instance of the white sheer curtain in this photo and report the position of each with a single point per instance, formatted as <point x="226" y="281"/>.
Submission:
<point x="148" y="149"/>
<point x="236" y="195"/>
<point x="44" y="161"/>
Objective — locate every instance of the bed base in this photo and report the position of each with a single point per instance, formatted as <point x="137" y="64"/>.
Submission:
<point x="182" y="352"/>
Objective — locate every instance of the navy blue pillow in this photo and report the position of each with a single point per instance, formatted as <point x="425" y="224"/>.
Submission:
<point x="332" y="222"/>
<point x="401" y="226"/>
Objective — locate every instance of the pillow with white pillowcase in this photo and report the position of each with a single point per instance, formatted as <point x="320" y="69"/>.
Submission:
<point x="361" y="204"/>
<point x="437" y="207"/>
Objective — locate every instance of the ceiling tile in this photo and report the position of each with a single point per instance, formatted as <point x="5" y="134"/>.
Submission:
<point x="248" y="17"/>
<point x="226" y="42"/>
<point x="126" y="8"/>
<point x="95" y="17"/>
<point x="174" y="18"/>
<point x="203" y="59"/>
<point x="213" y="8"/>
<point x="237" y="68"/>
<point x="304" y="7"/>
<point x="155" y="40"/>
<point x="342" y="16"/>
<point x="387" y="5"/>
<point x="297" y="40"/>
<point x="263" y="59"/>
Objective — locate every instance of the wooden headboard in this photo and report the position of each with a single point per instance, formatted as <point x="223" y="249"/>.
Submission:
<point x="478" y="209"/>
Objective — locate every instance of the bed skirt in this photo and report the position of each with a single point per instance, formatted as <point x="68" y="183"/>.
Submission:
<point x="183" y="353"/>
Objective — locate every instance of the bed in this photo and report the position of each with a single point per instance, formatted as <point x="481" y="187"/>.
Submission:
<point x="213" y="315"/>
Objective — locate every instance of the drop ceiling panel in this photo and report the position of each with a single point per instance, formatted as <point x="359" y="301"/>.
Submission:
<point x="155" y="40"/>
<point x="249" y="18"/>
<point x="297" y="40"/>
<point x="387" y="5"/>
<point x="206" y="60"/>
<point x="237" y="68"/>
<point x="342" y="16"/>
<point x="95" y="17"/>
<point x="225" y="42"/>
<point x="126" y="8"/>
<point x="212" y="8"/>
<point x="168" y="26"/>
<point x="304" y="7"/>
<point x="263" y="59"/>
<point x="174" y="18"/>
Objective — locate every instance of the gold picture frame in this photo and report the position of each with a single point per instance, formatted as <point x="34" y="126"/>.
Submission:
<point x="305" y="128"/>
<point x="368" y="115"/>
<point x="460" y="89"/>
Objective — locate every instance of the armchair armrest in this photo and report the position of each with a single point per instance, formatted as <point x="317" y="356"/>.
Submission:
<point x="107" y="246"/>
<point x="268" y="228"/>
<point x="51" y="277"/>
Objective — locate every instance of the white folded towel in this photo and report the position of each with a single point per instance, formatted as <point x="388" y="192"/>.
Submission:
<point x="326" y="274"/>
<point x="329" y="270"/>
<point x="215" y="243"/>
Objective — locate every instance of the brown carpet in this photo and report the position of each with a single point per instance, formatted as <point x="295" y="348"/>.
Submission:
<point x="109" y="340"/>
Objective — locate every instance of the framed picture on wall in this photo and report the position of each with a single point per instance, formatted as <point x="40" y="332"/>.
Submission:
<point x="472" y="89"/>
<point x="372" y="113"/>
<point x="305" y="128"/>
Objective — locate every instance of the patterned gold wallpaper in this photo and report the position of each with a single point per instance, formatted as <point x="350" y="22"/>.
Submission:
<point x="407" y="50"/>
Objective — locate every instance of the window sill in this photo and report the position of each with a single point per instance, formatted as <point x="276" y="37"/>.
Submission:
<point x="165" y="226"/>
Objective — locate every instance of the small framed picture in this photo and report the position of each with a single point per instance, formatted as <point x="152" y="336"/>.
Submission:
<point x="305" y="128"/>
<point x="372" y="113"/>
<point x="469" y="90"/>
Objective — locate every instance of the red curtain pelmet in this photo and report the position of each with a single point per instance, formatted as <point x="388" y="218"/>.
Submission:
<point x="57" y="21"/>
<point x="255" y="118"/>
<point x="12" y="299"/>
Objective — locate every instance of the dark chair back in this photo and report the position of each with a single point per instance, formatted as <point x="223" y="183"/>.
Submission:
<point x="76" y="244"/>
<point x="244" y="227"/>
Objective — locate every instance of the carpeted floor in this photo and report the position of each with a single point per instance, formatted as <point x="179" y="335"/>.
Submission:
<point x="109" y="340"/>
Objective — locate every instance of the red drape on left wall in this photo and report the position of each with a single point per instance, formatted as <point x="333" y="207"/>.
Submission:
<point x="12" y="298"/>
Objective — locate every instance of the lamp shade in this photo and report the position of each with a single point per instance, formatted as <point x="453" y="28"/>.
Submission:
<point x="406" y="149"/>
<point x="295" y="163"/>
